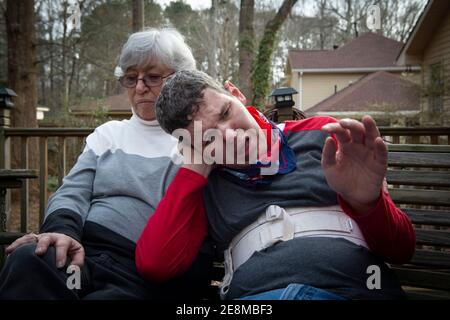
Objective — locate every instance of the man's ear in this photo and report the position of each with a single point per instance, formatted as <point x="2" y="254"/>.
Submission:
<point x="231" y="88"/>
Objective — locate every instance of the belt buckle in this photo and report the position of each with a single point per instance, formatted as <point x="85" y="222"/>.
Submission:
<point x="286" y="229"/>
<point x="274" y="212"/>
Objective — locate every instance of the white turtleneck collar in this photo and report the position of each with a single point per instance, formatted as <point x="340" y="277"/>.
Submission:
<point x="136" y="118"/>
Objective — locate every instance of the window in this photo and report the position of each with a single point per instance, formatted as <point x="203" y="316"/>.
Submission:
<point x="436" y="88"/>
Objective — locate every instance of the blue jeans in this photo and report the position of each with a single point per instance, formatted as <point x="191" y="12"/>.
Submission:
<point x="294" y="291"/>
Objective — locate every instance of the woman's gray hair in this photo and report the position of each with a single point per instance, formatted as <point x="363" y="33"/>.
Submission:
<point x="165" y="44"/>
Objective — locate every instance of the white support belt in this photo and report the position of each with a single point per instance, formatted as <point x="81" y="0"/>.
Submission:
<point x="278" y="224"/>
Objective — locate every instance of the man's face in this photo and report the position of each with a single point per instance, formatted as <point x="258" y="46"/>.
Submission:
<point x="225" y="115"/>
<point x="143" y="97"/>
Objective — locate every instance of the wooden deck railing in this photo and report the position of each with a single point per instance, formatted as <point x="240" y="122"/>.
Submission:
<point x="391" y="134"/>
<point x="43" y="134"/>
<point x="438" y="135"/>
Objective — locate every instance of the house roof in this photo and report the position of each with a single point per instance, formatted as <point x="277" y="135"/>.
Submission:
<point x="112" y="104"/>
<point x="424" y="29"/>
<point x="374" y="92"/>
<point x="7" y="92"/>
<point x="369" y="50"/>
<point x="283" y="91"/>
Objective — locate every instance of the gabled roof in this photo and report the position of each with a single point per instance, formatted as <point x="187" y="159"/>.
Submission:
<point x="374" y="92"/>
<point x="283" y="91"/>
<point x="369" y="50"/>
<point x="430" y="19"/>
<point x="7" y="92"/>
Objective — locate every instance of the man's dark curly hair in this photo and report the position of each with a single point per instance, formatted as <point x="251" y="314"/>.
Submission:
<point x="181" y="97"/>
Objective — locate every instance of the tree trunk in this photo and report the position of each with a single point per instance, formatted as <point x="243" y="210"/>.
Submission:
<point x="322" y="7"/>
<point x="65" y="98"/>
<point x="21" y="61"/>
<point x="138" y="15"/>
<point x="225" y="49"/>
<point x="212" y="60"/>
<point x="262" y="66"/>
<point x="22" y="78"/>
<point x="246" y="46"/>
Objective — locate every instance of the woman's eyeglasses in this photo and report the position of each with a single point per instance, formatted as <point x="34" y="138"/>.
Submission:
<point x="150" y="80"/>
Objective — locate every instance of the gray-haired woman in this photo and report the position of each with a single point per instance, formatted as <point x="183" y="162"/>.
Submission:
<point x="95" y="218"/>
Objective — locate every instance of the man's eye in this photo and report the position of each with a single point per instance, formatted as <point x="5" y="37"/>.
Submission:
<point x="130" y="78"/>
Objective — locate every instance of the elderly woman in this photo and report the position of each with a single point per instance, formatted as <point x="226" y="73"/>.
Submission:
<point x="95" y="218"/>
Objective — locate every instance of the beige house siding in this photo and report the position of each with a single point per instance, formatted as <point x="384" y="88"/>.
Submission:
<point x="438" y="52"/>
<point x="294" y="83"/>
<point x="415" y="77"/>
<point x="315" y="87"/>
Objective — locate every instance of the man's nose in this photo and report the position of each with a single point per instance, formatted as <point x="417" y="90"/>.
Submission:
<point x="225" y="129"/>
<point x="229" y="135"/>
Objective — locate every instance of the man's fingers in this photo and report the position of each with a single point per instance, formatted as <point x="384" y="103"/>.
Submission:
<point x="372" y="131"/>
<point x="342" y="134"/>
<point x="381" y="151"/>
<point x="329" y="153"/>
<point x="356" y="128"/>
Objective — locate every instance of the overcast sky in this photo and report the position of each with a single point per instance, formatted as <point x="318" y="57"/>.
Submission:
<point x="203" y="4"/>
<point x="195" y="4"/>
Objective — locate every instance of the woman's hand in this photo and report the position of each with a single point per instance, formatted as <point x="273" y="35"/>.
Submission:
<point x="65" y="247"/>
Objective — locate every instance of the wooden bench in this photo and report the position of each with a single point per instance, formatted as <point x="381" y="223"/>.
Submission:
<point x="9" y="179"/>
<point x="419" y="183"/>
<point x="419" y="179"/>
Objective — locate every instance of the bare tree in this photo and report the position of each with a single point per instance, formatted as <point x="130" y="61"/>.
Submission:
<point x="246" y="46"/>
<point x="212" y="52"/>
<point x="321" y="12"/>
<point x="261" y="71"/>
<point x="351" y="15"/>
<point x="399" y="17"/>
<point x="138" y="15"/>
<point x="20" y="25"/>
<point x="3" y="44"/>
<point x="21" y="61"/>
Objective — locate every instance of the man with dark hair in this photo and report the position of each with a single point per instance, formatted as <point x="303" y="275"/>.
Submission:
<point x="304" y="215"/>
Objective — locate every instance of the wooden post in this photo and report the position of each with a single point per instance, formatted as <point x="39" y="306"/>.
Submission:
<point x="5" y="162"/>
<point x="62" y="160"/>
<point x="284" y="114"/>
<point x="24" y="190"/>
<point x="434" y="139"/>
<point x="396" y="139"/>
<point x="43" y="175"/>
<point x="5" y="145"/>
